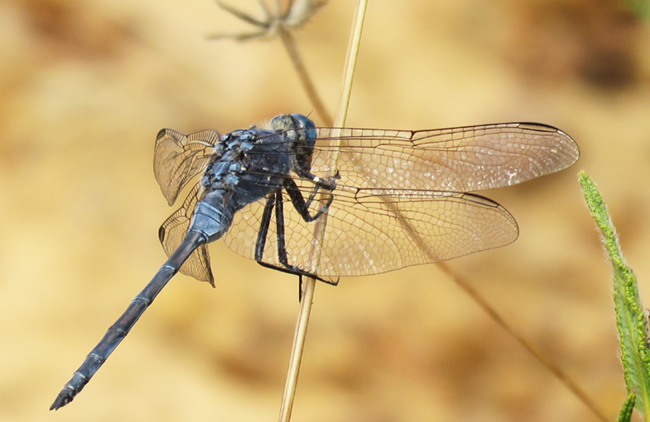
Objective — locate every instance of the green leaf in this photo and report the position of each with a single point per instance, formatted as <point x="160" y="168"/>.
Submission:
<point x="630" y="319"/>
<point x="625" y="414"/>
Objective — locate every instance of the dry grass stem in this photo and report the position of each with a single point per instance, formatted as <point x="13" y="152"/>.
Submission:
<point x="539" y="356"/>
<point x="319" y="230"/>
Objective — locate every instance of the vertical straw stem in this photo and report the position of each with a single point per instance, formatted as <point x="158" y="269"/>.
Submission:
<point x="319" y="231"/>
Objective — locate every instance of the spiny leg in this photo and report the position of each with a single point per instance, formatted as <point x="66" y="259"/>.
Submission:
<point x="264" y="228"/>
<point x="274" y="200"/>
<point x="299" y="202"/>
<point x="329" y="184"/>
<point x="279" y="222"/>
<point x="282" y="249"/>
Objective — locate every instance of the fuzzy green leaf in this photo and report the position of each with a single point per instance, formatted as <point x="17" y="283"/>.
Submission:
<point x="630" y="320"/>
<point x="625" y="415"/>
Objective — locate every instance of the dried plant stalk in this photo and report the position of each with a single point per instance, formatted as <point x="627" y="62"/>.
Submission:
<point x="319" y="231"/>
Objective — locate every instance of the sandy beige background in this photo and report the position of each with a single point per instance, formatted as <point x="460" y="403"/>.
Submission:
<point x="86" y="85"/>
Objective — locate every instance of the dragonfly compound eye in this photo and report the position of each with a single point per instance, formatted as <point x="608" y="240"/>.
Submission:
<point x="305" y="123"/>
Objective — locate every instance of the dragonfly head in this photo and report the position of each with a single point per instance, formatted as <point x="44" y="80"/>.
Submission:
<point x="304" y="125"/>
<point x="302" y="133"/>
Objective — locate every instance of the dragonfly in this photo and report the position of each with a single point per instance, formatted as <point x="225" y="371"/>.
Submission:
<point x="391" y="199"/>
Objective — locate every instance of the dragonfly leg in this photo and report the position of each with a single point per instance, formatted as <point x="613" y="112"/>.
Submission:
<point x="264" y="228"/>
<point x="312" y="195"/>
<point x="299" y="202"/>
<point x="279" y="220"/>
<point x="325" y="184"/>
<point x="274" y="200"/>
<point x="330" y="185"/>
<point x="282" y="249"/>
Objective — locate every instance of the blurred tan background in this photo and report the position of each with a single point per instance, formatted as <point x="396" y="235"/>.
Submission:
<point x="86" y="85"/>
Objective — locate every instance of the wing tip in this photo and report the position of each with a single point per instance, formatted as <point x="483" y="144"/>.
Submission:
<point x="161" y="133"/>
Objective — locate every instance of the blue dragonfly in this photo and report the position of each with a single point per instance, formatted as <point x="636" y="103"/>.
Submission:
<point x="393" y="198"/>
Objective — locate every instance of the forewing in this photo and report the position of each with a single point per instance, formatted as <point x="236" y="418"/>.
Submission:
<point x="371" y="231"/>
<point x="179" y="157"/>
<point x="173" y="231"/>
<point x="456" y="159"/>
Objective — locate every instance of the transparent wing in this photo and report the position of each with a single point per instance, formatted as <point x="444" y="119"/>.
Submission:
<point x="173" y="231"/>
<point x="371" y="231"/>
<point x="179" y="157"/>
<point x="457" y="159"/>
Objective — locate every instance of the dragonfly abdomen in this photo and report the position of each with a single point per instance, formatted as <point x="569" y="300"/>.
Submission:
<point x="213" y="215"/>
